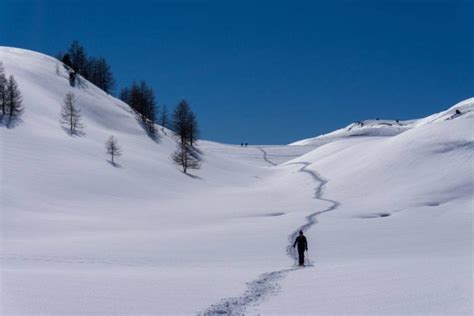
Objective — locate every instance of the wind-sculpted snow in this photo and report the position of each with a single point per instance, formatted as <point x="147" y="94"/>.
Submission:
<point x="267" y="284"/>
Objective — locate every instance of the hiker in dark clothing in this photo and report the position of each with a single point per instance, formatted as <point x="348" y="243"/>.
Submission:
<point x="302" y="246"/>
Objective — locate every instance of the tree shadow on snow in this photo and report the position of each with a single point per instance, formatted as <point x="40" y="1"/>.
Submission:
<point x="8" y="122"/>
<point x="80" y="82"/>
<point x="116" y="165"/>
<point x="198" y="151"/>
<point x="193" y="176"/>
<point x="77" y="133"/>
<point x="155" y="136"/>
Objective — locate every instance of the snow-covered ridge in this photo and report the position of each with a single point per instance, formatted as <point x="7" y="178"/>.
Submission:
<point x="461" y="110"/>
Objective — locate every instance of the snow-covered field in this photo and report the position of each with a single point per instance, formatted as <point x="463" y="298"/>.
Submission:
<point x="387" y="207"/>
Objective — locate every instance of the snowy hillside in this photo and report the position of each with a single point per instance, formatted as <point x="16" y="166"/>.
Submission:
<point x="464" y="109"/>
<point x="386" y="207"/>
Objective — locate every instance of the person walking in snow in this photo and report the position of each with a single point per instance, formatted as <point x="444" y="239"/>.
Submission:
<point x="302" y="247"/>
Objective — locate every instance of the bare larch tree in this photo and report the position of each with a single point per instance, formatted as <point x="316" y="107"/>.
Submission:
<point x="141" y="98"/>
<point x="71" y="115"/>
<point x="187" y="157"/>
<point x="14" y="101"/>
<point x="184" y="125"/>
<point x="193" y="131"/>
<point x="113" y="149"/>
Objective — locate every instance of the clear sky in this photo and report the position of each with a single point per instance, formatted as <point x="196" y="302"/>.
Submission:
<point x="272" y="72"/>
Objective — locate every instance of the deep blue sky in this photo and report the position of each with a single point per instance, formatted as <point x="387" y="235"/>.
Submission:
<point x="272" y="72"/>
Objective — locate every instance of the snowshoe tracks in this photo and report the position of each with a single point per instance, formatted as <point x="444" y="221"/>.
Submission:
<point x="267" y="284"/>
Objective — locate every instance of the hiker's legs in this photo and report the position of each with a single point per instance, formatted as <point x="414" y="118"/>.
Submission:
<point x="301" y="257"/>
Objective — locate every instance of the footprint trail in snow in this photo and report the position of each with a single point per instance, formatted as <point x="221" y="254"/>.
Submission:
<point x="267" y="284"/>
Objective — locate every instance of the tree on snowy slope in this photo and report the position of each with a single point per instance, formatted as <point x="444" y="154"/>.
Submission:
<point x="141" y="98"/>
<point x="71" y="115"/>
<point x="187" y="157"/>
<point x="126" y="95"/>
<point x="78" y="58"/>
<point x="184" y="125"/>
<point x="96" y="70"/>
<point x="193" y="131"/>
<point x="3" y="89"/>
<point x="14" y="102"/>
<point x="148" y="107"/>
<point x="113" y="148"/>
<point x="99" y="73"/>
<point x="66" y="59"/>
<point x="164" y="118"/>
<point x="180" y="122"/>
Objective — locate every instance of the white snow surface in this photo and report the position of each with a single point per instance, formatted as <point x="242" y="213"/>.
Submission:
<point x="390" y="127"/>
<point x="390" y="209"/>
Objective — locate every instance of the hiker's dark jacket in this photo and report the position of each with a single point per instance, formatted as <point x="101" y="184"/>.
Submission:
<point x="302" y="243"/>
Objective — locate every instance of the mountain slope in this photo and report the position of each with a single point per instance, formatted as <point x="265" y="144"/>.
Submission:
<point x="389" y="226"/>
<point x="70" y="217"/>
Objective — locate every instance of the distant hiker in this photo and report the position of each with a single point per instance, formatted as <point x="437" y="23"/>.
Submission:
<point x="456" y="114"/>
<point x="241" y="144"/>
<point x="246" y="144"/>
<point x="302" y="247"/>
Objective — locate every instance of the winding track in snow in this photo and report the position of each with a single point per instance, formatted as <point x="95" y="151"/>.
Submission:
<point x="265" y="156"/>
<point x="267" y="283"/>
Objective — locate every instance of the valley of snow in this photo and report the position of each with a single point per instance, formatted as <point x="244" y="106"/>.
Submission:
<point x="388" y="205"/>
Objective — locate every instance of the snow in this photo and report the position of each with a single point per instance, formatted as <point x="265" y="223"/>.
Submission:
<point x="378" y="127"/>
<point x="388" y="207"/>
<point x="406" y="246"/>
